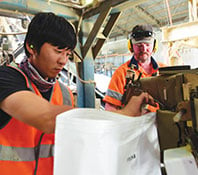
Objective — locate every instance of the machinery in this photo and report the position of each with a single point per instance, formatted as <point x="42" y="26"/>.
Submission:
<point x="176" y="92"/>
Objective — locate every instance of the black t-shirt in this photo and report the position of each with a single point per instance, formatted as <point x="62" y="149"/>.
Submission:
<point x="11" y="81"/>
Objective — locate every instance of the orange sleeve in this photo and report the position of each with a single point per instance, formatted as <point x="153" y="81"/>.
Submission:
<point x="116" y="86"/>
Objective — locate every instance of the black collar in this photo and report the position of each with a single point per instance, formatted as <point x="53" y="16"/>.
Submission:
<point x="135" y="63"/>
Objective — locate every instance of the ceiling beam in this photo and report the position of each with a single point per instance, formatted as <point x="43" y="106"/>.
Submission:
<point x="34" y="6"/>
<point x="7" y="13"/>
<point x="176" y="20"/>
<point x="180" y="32"/>
<point x="117" y="5"/>
<point x="147" y="16"/>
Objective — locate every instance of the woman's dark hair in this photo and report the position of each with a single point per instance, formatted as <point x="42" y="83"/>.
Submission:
<point x="50" y="28"/>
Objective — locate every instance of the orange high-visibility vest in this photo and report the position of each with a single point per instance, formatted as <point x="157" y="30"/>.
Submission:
<point x="115" y="89"/>
<point x="25" y="149"/>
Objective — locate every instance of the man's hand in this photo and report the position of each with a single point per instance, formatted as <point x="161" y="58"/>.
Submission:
<point x="135" y="104"/>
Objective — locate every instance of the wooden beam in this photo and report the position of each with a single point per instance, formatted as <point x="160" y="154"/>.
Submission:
<point x="108" y="28"/>
<point x="180" y="32"/>
<point x="192" y="8"/>
<point x="96" y="28"/>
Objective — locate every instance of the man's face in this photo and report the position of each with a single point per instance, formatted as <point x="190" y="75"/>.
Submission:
<point x="143" y="51"/>
<point x="50" y="61"/>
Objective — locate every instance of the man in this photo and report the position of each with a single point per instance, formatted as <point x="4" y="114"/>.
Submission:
<point x="142" y="44"/>
<point x="31" y="97"/>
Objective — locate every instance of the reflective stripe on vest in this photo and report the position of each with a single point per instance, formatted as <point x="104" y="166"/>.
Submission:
<point x="66" y="94"/>
<point x="24" y="154"/>
<point x="114" y="94"/>
<point x="9" y="153"/>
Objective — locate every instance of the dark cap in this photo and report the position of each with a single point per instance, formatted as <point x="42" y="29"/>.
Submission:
<point x="142" y="33"/>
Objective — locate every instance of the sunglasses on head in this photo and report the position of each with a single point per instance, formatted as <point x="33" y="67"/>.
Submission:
<point x="140" y="34"/>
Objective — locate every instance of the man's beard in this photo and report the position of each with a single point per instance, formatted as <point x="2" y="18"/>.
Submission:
<point x="143" y="57"/>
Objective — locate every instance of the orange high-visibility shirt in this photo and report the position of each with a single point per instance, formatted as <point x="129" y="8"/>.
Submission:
<point x="116" y="86"/>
